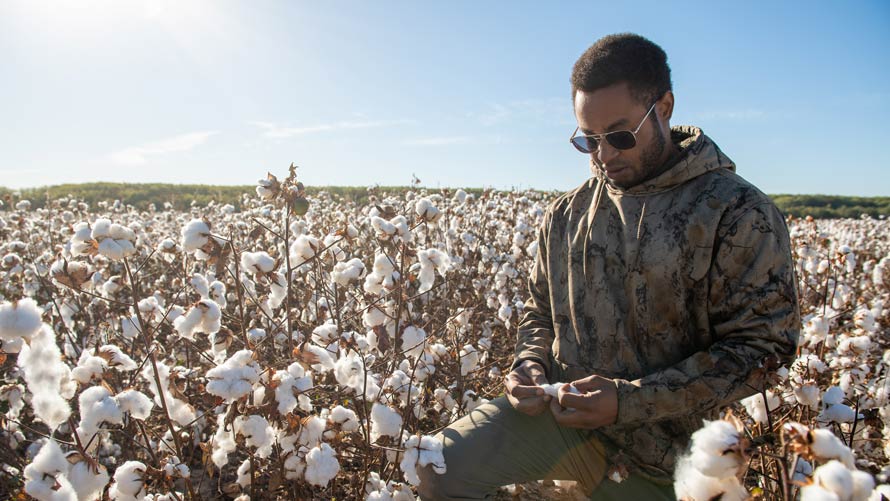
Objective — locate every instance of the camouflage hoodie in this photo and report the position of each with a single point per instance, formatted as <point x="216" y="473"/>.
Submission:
<point x="677" y="288"/>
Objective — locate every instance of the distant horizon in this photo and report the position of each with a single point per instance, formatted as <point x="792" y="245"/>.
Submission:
<point x="457" y="93"/>
<point x="250" y="187"/>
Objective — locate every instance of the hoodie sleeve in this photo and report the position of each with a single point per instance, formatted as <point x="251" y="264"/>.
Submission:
<point x="754" y="315"/>
<point x="535" y="331"/>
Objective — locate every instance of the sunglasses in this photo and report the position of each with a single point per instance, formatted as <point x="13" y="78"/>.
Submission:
<point x="619" y="139"/>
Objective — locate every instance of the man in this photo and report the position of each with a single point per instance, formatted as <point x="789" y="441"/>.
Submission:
<point x="660" y="285"/>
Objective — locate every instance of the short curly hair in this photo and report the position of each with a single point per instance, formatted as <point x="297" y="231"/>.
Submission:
<point x="624" y="57"/>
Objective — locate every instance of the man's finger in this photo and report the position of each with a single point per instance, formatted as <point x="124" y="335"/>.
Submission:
<point x="585" y="401"/>
<point x="522" y="391"/>
<point x="532" y="406"/>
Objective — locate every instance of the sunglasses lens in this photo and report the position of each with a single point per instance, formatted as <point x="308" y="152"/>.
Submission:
<point x="622" y="140"/>
<point x="584" y="144"/>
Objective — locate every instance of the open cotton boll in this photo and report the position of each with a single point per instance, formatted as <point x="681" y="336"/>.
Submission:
<point x="839" y="413"/>
<point x="715" y="450"/>
<point x="181" y="412"/>
<point x="88" y="483"/>
<point x="134" y="403"/>
<point x="814" y="492"/>
<point x="826" y="445"/>
<point x="469" y="359"/>
<point x="96" y="407"/>
<point x="863" y="485"/>
<point x="19" y="320"/>
<point x="303" y="249"/>
<point x="807" y="394"/>
<point x="223" y="443"/>
<point x="204" y="317"/>
<point x="431" y="260"/>
<point x="835" y="477"/>
<point x="235" y="377"/>
<point x="325" y="333"/>
<point x="756" y="408"/>
<point x="313" y="431"/>
<point x="426" y="210"/>
<point x="692" y="484"/>
<point x="385" y="421"/>
<point x="199" y="283"/>
<point x="256" y="432"/>
<point x="348" y="271"/>
<point x="291" y="382"/>
<point x="422" y="451"/>
<point x="47" y="377"/>
<point x="552" y="389"/>
<point x="195" y="235"/>
<point x="101" y="229"/>
<point x="257" y="262"/>
<point x="350" y="372"/>
<point x="346" y="418"/>
<point x="413" y="341"/>
<point x="128" y="481"/>
<point x="880" y="493"/>
<point x="833" y="396"/>
<point x="45" y="477"/>
<point x="88" y="367"/>
<point x="321" y="465"/>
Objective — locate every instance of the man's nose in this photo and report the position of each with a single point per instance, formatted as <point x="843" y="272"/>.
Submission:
<point x="606" y="152"/>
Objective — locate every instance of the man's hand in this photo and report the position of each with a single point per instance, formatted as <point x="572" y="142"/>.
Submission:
<point x="523" y="388"/>
<point x="596" y="406"/>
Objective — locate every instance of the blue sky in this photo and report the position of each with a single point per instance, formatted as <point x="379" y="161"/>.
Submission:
<point x="457" y="93"/>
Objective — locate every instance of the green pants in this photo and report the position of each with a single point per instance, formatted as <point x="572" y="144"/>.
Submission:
<point x="495" y="445"/>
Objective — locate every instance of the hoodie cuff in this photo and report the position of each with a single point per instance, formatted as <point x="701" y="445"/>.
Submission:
<point x="633" y="406"/>
<point x="527" y="356"/>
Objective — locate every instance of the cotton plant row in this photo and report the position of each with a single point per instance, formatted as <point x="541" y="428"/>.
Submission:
<point x="313" y="351"/>
<point x="820" y="427"/>
<point x="278" y="351"/>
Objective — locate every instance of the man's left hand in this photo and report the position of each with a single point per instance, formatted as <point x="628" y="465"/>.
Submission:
<point x="596" y="406"/>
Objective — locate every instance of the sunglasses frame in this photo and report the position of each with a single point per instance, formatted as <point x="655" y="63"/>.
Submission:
<point x="599" y="137"/>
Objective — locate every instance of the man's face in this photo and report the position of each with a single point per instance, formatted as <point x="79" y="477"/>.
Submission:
<point x="614" y="108"/>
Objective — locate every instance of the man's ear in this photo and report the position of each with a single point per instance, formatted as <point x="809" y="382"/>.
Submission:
<point x="665" y="107"/>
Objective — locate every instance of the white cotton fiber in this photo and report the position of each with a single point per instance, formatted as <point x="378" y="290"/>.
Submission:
<point x="234" y="378"/>
<point x="385" y="421"/>
<point x="135" y="403"/>
<point x="46" y="376"/>
<point x="19" y="319"/>
<point x="321" y="465"/>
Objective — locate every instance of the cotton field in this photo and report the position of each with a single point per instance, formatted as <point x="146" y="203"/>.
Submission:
<point x="311" y="349"/>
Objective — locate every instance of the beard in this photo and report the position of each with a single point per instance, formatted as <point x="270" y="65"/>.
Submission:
<point x="651" y="164"/>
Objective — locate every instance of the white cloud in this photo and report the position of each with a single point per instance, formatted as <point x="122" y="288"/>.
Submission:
<point x="138" y="155"/>
<point x="277" y="131"/>
<point x="549" y="110"/>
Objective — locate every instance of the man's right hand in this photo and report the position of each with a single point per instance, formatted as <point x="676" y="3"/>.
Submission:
<point x="523" y="388"/>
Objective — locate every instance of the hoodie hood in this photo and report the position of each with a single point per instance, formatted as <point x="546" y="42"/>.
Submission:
<point x="698" y="155"/>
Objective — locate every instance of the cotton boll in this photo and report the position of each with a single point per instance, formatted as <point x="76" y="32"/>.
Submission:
<point x="49" y="467"/>
<point x="817" y="493"/>
<point x="349" y="371"/>
<point x="469" y="359"/>
<point x="839" y="413"/>
<point x="826" y="445"/>
<point x="135" y="403"/>
<point x="346" y="418"/>
<point x="88" y="483"/>
<point x="715" y="450"/>
<point x="834" y="477"/>
<point x="881" y="493"/>
<point x="385" y="421"/>
<point x="96" y="407"/>
<point x="256" y="432"/>
<point x="321" y="465"/>
<point x="756" y="408"/>
<point x="807" y="394"/>
<point x="199" y="283"/>
<point x="46" y="375"/>
<point x="128" y="481"/>
<point x="312" y="431"/>
<point x="690" y="483"/>
<point x="413" y="340"/>
<point x="863" y="485"/>
<point x="101" y="229"/>
<point x="195" y="235"/>
<point x="346" y="272"/>
<point x="19" y="320"/>
<point x="234" y="378"/>
<point x="223" y="443"/>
